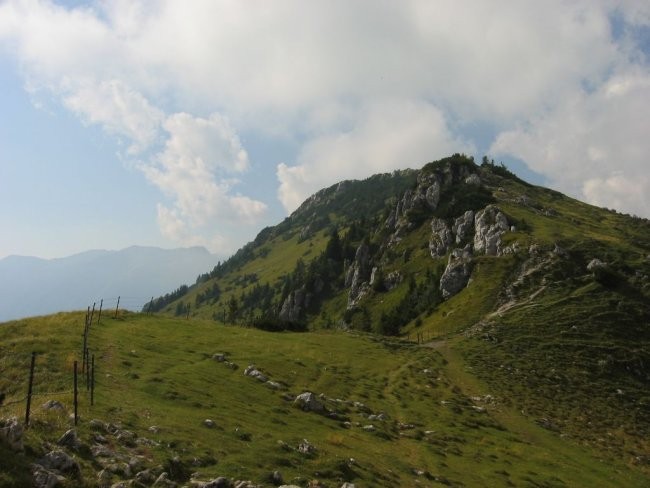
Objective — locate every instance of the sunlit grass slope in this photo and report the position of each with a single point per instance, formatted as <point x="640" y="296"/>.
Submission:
<point x="159" y="371"/>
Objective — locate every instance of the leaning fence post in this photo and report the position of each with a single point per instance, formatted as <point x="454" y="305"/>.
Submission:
<point x="101" y="305"/>
<point x="75" y="393"/>
<point x="117" y="307"/>
<point x="150" y="305"/>
<point x="29" y="389"/>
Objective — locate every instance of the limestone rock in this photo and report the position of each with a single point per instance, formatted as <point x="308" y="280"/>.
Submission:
<point x="305" y="447"/>
<point x="11" y="433"/>
<point x="53" y="405"/>
<point x="358" y="275"/>
<point x="463" y="226"/>
<point x="253" y="372"/>
<point x="473" y="179"/>
<point x="219" y="357"/>
<point x="219" y="482"/>
<point x="457" y="272"/>
<point x="60" y="461"/>
<point x="69" y="439"/>
<point x="309" y="402"/>
<point x="43" y="478"/>
<point x="595" y="264"/>
<point x="294" y="305"/>
<point x="441" y="238"/>
<point x="489" y="224"/>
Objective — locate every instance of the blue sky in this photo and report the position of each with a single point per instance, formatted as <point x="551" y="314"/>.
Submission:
<point x="198" y="123"/>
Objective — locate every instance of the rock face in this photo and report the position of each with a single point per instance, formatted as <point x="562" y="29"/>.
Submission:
<point x="294" y="305"/>
<point x="358" y="275"/>
<point x="441" y="238"/>
<point x="489" y="224"/>
<point x="463" y="226"/>
<point x="457" y="272"/>
<point x="11" y="433"/>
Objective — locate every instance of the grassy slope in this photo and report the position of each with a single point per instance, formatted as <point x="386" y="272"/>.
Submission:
<point x="158" y="371"/>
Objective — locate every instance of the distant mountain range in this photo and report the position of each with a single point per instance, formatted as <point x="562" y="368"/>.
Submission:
<point x="33" y="286"/>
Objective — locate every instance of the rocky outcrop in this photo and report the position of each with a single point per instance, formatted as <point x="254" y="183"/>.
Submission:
<point x="457" y="272"/>
<point x="441" y="238"/>
<point x="463" y="226"/>
<point x="358" y="275"/>
<point x="489" y="225"/>
<point x="294" y="305"/>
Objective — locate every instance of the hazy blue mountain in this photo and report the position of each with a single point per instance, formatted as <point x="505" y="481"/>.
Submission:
<point x="34" y="286"/>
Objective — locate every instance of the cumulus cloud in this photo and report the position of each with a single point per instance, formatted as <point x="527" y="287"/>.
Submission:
<point x="194" y="170"/>
<point x="595" y="145"/>
<point x="354" y="97"/>
<point x="388" y="135"/>
<point x="119" y="109"/>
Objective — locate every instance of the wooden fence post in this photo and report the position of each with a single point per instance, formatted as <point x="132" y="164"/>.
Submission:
<point x="150" y="305"/>
<point x="92" y="381"/>
<point x="87" y="369"/>
<point x="117" y="307"/>
<point x="91" y="316"/>
<point x="101" y="305"/>
<point x="29" y="389"/>
<point x="76" y="416"/>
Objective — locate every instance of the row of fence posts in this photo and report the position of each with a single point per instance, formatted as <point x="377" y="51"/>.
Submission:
<point x="87" y="366"/>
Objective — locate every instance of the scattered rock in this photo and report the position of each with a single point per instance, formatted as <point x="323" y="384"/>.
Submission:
<point x="60" y="461"/>
<point x="163" y="481"/>
<point x="595" y="264"/>
<point x="255" y="373"/>
<point x="274" y="385"/>
<point x="43" y="478"/>
<point x="276" y="478"/>
<point x="154" y="429"/>
<point x="305" y="447"/>
<point x="69" y="439"/>
<point x="309" y="403"/>
<point x="146" y="477"/>
<point x="219" y="357"/>
<point x="209" y="423"/>
<point x="219" y="482"/>
<point x="102" y="451"/>
<point x="95" y="424"/>
<point x="11" y="433"/>
<point x="53" y="405"/>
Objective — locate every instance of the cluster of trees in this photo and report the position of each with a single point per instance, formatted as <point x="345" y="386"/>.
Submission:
<point x="161" y="302"/>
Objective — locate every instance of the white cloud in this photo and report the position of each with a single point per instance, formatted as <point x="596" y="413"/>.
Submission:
<point x="194" y="170"/>
<point x="357" y="88"/>
<point x="594" y="146"/>
<point x="119" y="110"/>
<point x="388" y="135"/>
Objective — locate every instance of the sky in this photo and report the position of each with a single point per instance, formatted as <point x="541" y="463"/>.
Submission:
<point x="173" y="123"/>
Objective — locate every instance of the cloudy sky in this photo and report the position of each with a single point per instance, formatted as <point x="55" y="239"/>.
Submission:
<point x="177" y="123"/>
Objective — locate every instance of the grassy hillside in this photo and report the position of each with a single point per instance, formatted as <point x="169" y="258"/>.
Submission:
<point x="156" y="377"/>
<point x="535" y="371"/>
